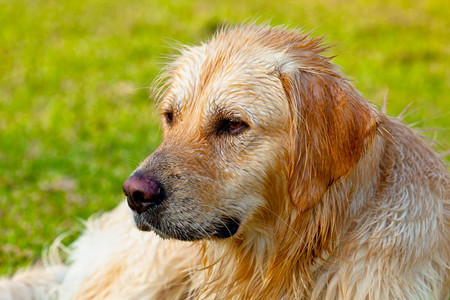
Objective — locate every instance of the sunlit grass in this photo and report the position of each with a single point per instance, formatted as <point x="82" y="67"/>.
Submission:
<point x="75" y="112"/>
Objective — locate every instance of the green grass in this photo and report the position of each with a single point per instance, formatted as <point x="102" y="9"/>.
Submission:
<point x="75" y="113"/>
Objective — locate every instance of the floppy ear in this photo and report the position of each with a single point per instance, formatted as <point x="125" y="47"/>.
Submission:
<point x="332" y="127"/>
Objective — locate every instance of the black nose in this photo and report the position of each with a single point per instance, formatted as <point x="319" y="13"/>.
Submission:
<point x="142" y="192"/>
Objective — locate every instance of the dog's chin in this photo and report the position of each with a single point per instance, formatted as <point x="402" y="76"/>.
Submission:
<point x="148" y="228"/>
<point x="226" y="228"/>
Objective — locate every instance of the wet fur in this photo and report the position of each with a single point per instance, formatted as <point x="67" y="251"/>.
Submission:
<point x="334" y="199"/>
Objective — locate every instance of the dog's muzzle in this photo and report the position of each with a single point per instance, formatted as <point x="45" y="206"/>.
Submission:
<point x="148" y="199"/>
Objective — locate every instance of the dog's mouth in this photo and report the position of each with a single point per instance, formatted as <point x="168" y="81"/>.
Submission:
<point x="224" y="228"/>
<point x="227" y="228"/>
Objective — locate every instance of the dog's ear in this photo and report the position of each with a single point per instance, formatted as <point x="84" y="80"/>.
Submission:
<point x="331" y="128"/>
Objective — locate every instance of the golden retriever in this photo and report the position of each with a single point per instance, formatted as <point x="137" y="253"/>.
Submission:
<point x="276" y="179"/>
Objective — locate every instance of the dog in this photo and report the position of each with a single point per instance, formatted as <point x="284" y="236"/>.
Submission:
<point x="275" y="179"/>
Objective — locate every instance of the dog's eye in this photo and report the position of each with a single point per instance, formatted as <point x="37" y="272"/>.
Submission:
<point x="168" y="115"/>
<point x="231" y="126"/>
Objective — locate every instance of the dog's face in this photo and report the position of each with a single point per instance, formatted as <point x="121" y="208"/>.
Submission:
<point x="230" y="129"/>
<point x="224" y="122"/>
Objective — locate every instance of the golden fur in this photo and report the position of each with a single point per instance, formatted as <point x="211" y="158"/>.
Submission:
<point x="334" y="200"/>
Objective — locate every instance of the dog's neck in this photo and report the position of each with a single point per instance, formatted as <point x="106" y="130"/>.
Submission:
<point x="287" y="242"/>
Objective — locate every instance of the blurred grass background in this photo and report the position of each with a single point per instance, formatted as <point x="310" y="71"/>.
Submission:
<point x="75" y="112"/>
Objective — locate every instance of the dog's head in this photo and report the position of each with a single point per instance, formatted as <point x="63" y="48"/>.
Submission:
<point x="254" y="120"/>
